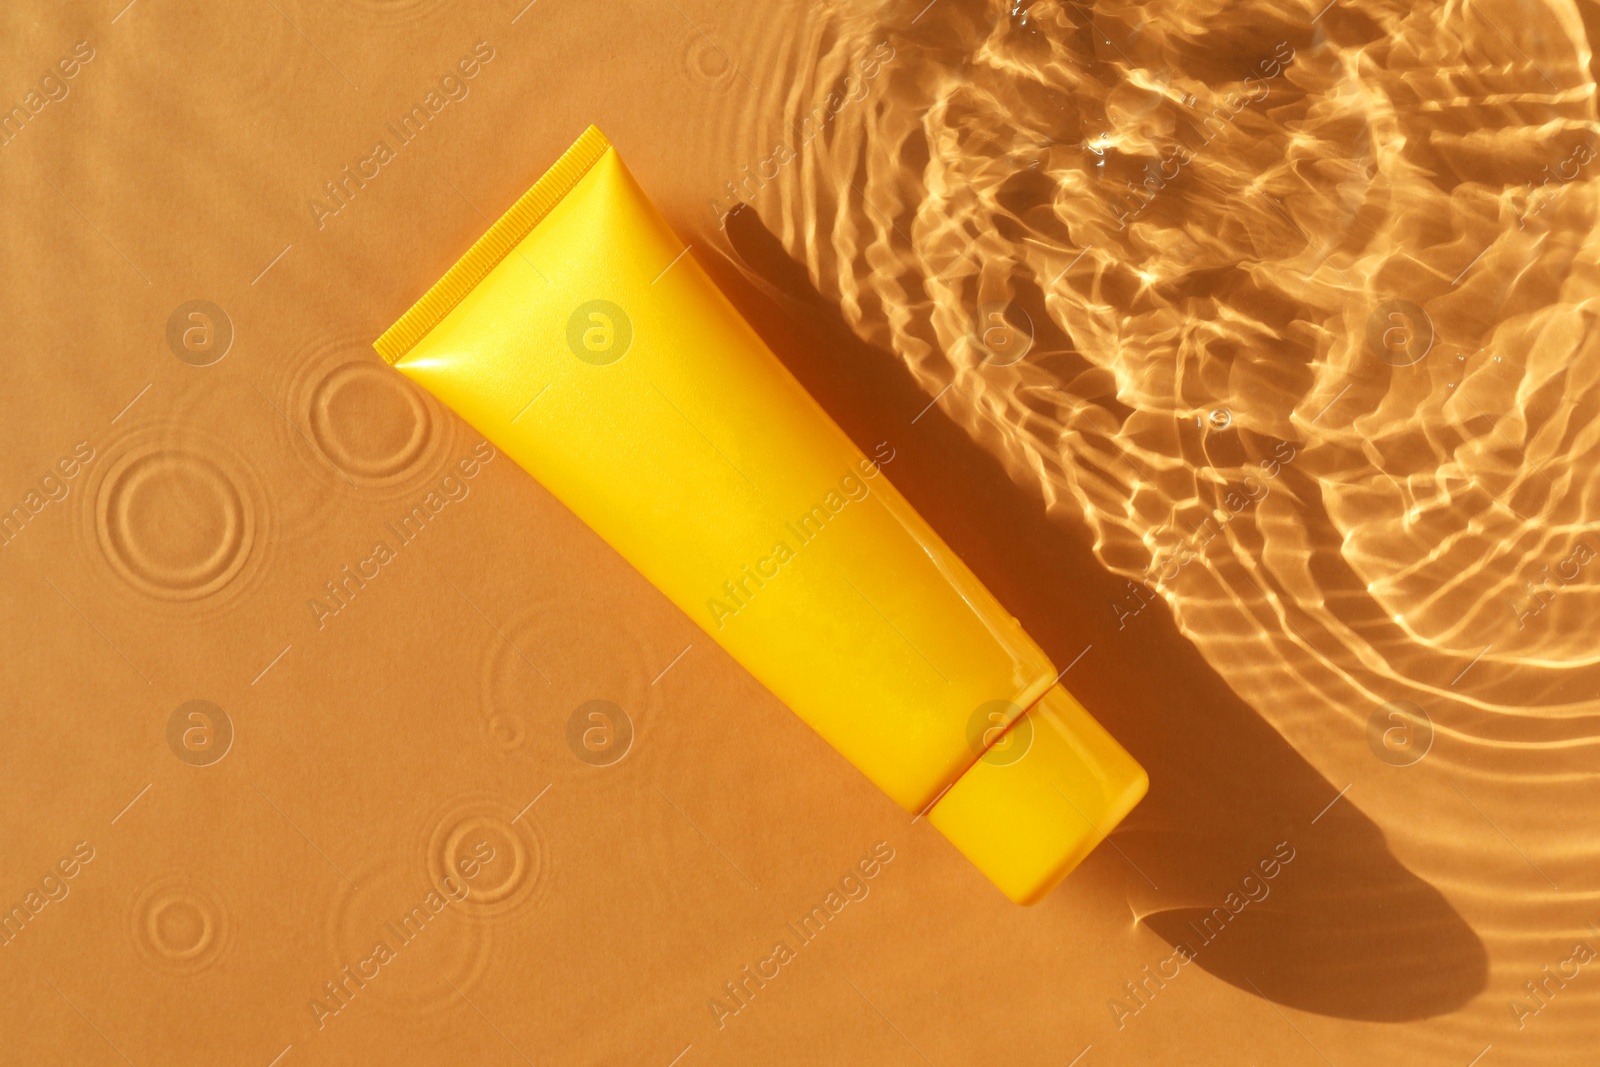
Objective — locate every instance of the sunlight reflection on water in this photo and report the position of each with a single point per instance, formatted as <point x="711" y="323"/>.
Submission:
<point x="1309" y="305"/>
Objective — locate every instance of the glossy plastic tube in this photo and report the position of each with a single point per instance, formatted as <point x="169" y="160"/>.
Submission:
<point x="582" y="338"/>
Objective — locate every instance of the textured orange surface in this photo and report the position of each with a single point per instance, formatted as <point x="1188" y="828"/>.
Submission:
<point x="295" y="773"/>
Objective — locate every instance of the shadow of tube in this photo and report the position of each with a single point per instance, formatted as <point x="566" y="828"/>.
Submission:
<point x="1342" y="928"/>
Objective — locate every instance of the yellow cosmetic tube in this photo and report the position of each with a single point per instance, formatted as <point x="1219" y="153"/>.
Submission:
<point x="582" y="338"/>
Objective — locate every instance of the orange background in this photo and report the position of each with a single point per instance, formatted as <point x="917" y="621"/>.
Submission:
<point x="425" y="723"/>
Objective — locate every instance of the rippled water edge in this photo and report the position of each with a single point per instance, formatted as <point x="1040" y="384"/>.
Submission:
<point x="1291" y="307"/>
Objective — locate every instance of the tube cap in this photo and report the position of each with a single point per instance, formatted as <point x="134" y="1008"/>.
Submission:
<point x="1040" y="798"/>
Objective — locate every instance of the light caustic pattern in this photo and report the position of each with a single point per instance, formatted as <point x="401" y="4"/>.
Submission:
<point x="1292" y="306"/>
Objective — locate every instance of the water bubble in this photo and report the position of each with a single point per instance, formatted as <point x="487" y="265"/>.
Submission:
<point x="180" y="926"/>
<point x="176" y="522"/>
<point x="1220" y="419"/>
